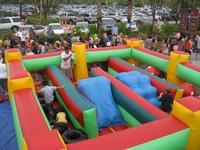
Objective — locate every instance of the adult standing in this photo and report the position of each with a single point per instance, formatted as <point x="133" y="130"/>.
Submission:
<point x="21" y="35"/>
<point x="115" y="30"/>
<point x="187" y="45"/>
<point x="197" y="47"/>
<point x="3" y="73"/>
<point x="67" y="63"/>
<point x="50" y="35"/>
<point x="148" y="42"/>
<point x="154" y="45"/>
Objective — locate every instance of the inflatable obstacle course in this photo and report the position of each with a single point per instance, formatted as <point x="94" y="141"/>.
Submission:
<point x="133" y="107"/>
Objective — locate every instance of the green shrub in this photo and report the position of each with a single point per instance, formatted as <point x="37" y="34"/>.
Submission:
<point x="134" y="34"/>
<point x="92" y="28"/>
<point x="56" y="37"/>
<point x="76" y="30"/>
<point x="5" y="33"/>
<point x="84" y="36"/>
<point x="42" y="38"/>
<point x="145" y="28"/>
<point x="51" y="20"/>
<point x="169" y="29"/>
<point x="122" y="27"/>
<point x="33" y="20"/>
<point x="161" y="36"/>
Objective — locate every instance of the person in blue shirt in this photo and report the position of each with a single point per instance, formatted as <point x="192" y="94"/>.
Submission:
<point x="115" y="30"/>
<point x="48" y="93"/>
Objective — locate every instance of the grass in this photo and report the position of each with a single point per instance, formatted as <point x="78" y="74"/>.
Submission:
<point x="5" y="33"/>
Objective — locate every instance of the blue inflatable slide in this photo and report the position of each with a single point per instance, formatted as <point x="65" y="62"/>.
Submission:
<point x="98" y="91"/>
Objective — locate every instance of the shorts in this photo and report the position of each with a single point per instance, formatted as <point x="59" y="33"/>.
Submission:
<point x="197" y="50"/>
<point x="49" y="108"/>
<point x="3" y="84"/>
<point x="50" y="40"/>
<point x="68" y="72"/>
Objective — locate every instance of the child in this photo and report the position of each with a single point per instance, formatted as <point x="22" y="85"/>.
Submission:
<point x="61" y="121"/>
<point x="167" y="101"/>
<point x="48" y="93"/>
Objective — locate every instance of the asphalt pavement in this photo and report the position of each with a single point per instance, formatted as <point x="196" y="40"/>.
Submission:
<point x="194" y="60"/>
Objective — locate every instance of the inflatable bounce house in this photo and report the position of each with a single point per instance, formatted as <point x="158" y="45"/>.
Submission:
<point x="117" y="109"/>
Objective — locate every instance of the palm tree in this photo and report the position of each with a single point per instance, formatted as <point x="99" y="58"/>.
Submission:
<point x="130" y="8"/>
<point x="99" y="18"/>
<point x="154" y="7"/>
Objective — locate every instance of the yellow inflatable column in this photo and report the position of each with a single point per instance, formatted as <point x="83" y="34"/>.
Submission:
<point x="12" y="54"/>
<point x="21" y="82"/>
<point x="187" y="110"/>
<point x="81" y="71"/>
<point x="133" y="43"/>
<point x="133" y="61"/>
<point x="174" y="60"/>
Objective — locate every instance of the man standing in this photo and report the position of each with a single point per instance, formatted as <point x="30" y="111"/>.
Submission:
<point x="48" y="93"/>
<point x="67" y="63"/>
<point x="115" y="30"/>
<point x="50" y="34"/>
<point x="197" y="47"/>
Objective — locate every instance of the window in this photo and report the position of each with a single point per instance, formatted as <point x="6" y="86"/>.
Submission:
<point x="26" y="28"/>
<point x="6" y="20"/>
<point x="56" y="27"/>
<point x="38" y="28"/>
<point x="17" y="19"/>
<point x="108" y="22"/>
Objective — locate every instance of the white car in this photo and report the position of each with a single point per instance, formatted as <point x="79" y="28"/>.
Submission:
<point x="133" y="25"/>
<point x="12" y="23"/>
<point x="108" y="23"/>
<point x="57" y="28"/>
<point x="37" y="29"/>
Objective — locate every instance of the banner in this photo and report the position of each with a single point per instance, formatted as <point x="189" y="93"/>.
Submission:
<point x="184" y="20"/>
<point x="193" y="20"/>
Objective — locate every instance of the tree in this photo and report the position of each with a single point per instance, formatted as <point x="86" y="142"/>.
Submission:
<point x="154" y="8"/>
<point x="99" y="18"/>
<point x="130" y="9"/>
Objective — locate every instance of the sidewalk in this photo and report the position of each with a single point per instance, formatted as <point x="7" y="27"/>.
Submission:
<point x="194" y="61"/>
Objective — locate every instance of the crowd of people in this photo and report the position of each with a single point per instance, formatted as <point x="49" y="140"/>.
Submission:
<point x="29" y="44"/>
<point x="180" y="42"/>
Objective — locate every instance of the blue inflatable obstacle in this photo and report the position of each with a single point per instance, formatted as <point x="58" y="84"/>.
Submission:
<point x="141" y="85"/>
<point x="8" y="140"/>
<point x="98" y="91"/>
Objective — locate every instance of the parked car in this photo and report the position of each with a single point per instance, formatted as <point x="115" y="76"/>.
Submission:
<point x="57" y="28"/>
<point x="85" y="16"/>
<point x="108" y="23"/>
<point x="12" y="23"/>
<point x="83" y="26"/>
<point x="133" y="25"/>
<point x="37" y="29"/>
